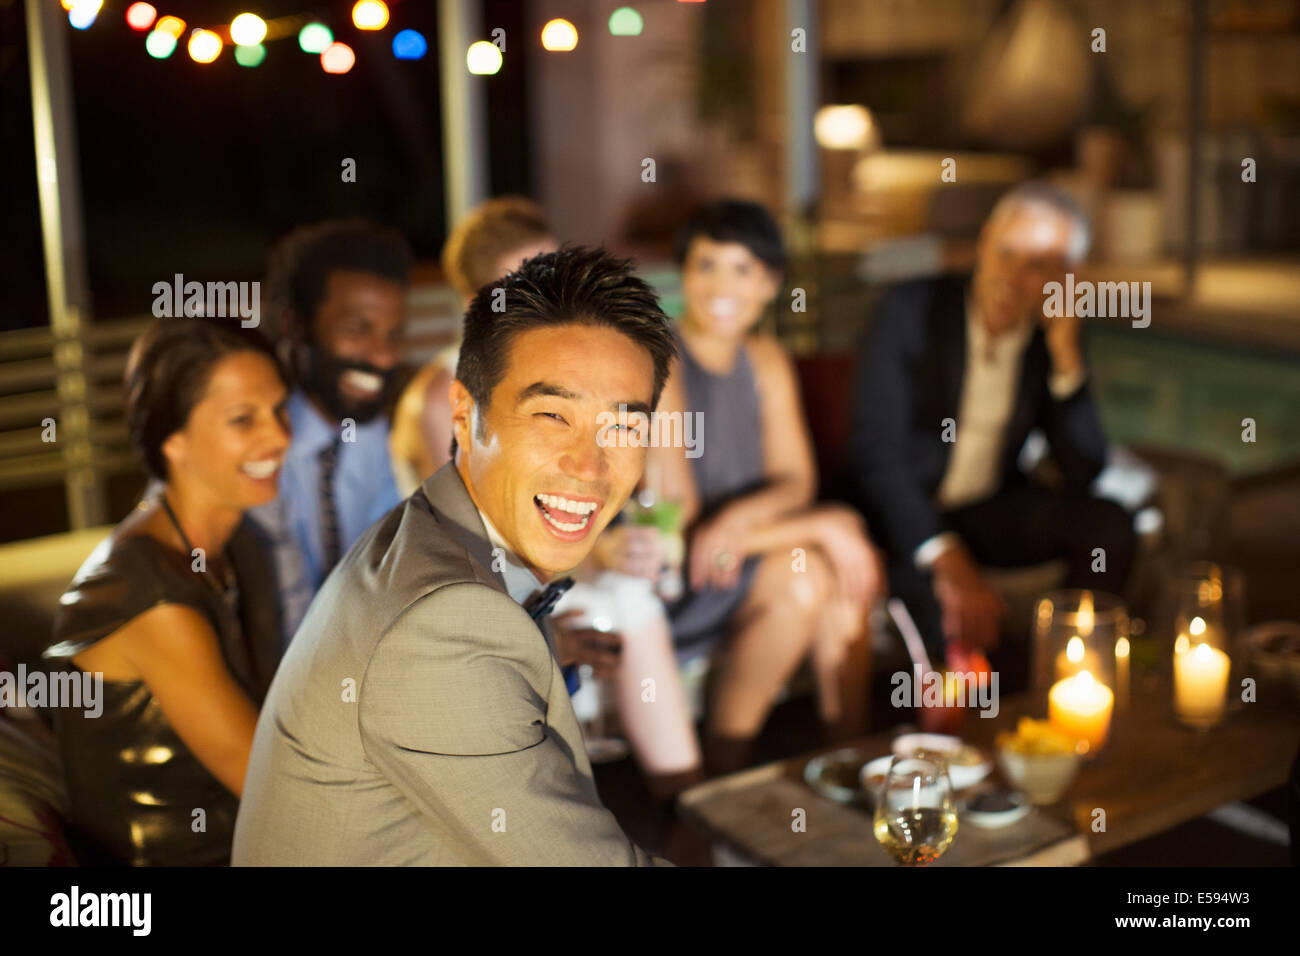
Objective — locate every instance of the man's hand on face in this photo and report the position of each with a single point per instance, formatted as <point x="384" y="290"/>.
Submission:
<point x="1062" y="337"/>
<point x="972" y="611"/>
<point x="586" y="645"/>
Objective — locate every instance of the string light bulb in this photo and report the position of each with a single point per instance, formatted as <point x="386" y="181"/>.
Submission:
<point x="370" y="15"/>
<point x="204" y="46"/>
<point x="247" y="29"/>
<point x="559" y="36"/>
<point x="140" y="16"/>
<point x="337" y="58"/>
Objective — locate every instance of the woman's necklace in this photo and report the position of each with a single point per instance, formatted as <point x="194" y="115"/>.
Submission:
<point x="228" y="576"/>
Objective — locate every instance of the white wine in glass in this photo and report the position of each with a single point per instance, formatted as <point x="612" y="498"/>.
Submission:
<point x="915" y="820"/>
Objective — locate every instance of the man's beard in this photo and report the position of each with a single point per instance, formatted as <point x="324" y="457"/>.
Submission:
<point x="320" y="374"/>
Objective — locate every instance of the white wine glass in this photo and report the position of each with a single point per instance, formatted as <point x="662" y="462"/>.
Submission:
<point x="915" y="820"/>
<point x="595" y="698"/>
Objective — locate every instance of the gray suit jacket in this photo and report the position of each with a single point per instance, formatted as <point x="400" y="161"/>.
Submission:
<point x="419" y="716"/>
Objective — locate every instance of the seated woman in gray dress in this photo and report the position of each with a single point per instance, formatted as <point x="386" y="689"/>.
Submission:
<point x="773" y="578"/>
<point x="170" y="609"/>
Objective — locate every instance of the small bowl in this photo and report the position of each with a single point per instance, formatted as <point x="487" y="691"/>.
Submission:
<point x="1043" y="778"/>
<point x="966" y="765"/>
<point x="1274" y="649"/>
<point x="872" y="777"/>
<point x="825" y="773"/>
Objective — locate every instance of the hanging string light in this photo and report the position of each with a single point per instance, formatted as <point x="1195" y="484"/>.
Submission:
<point x="204" y="46"/>
<point x="625" y="22"/>
<point x="247" y="29"/>
<point x="370" y="15"/>
<point x="559" y="36"/>
<point x="250" y="54"/>
<point x="247" y="34"/>
<point x="174" y="26"/>
<point x="337" y="58"/>
<point x="409" y="45"/>
<point x="82" y="13"/>
<point x="140" y="16"/>
<point x="159" y="45"/>
<point x="314" y="38"/>
<point x="483" y="58"/>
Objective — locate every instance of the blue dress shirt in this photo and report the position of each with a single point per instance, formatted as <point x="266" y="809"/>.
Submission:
<point x="364" y="491"/>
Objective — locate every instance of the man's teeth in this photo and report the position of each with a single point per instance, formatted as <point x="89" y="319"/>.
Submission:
<point x="554" y="505"/>
<point x="559" y="503"/>
<point x="363" y="381"/>
<point x="260" y="469"/>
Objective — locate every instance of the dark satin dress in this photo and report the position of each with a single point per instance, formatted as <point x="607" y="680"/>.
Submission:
<point x="729" y="467"/>
<point x="133" y="786"/>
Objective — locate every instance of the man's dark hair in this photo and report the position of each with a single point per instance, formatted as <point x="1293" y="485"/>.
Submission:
<point x="736" y="220"/>
<point x="301" y="263"/>
<point x="167" y="373"/>
<point x="578" y="285"/>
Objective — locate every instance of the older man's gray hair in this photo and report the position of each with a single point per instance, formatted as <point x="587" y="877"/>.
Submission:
<point x="1037" y="194"/>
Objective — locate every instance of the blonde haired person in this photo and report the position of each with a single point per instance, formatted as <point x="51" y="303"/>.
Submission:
<point x="494" y="238"/>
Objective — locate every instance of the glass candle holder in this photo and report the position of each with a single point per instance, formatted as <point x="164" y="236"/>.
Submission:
<point x="1207" y="602"/>
<point x="1081" y="662"/>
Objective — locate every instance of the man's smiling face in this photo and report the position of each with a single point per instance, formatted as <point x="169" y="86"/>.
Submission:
<point x="544" y="464"/>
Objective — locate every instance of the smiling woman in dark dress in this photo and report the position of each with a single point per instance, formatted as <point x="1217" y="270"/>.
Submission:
<point x="168" y="610"/>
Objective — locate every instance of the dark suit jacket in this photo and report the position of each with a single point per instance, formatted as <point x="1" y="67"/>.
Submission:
<point x="909" y="379"/>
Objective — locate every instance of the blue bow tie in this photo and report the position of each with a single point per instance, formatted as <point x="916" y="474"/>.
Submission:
<point x="543" y="602"/>
<point x="540" y="605"/>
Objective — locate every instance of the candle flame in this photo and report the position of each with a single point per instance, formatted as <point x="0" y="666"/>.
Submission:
<point x="1181" y="645"/>
<point x="1074" y="650"/>
<point x="1197" y="627"/>
<point x="1086" y="618"/>
<point x="1121" y="647"/>
<point x="1203" y="652"/>
<point x="1084" y="679"/>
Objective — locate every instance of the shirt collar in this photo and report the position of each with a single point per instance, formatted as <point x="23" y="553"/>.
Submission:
<point x="312" y="432"/>
<point x="981" y="343"/>
<point x="521" y="584"/>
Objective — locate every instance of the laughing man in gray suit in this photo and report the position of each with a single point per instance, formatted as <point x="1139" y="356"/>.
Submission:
<point x="419" y="715"/>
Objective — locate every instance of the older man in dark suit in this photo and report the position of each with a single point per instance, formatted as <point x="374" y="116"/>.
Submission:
<point x="955" y="374"/>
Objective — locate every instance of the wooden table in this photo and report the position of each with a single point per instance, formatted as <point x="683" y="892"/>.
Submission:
<point x="1153" y="775"/>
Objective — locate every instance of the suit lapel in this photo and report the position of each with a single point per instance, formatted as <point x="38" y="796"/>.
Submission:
<point x="455" y="511"/>
<point x="948" y="319"/>
<point x="1033" y="363"/>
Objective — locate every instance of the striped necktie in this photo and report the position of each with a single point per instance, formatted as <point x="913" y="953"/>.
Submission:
<point x="329" y="521"/>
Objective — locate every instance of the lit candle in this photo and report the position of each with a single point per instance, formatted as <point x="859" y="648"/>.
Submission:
<point x="1200" y="685"/>
<point x="1121" y="673"/>
<point x="1075" y="658"/>
<point x="1081" y="706"/>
